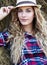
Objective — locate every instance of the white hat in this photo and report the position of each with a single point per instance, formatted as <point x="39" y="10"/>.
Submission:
<point x="20" y="3"/>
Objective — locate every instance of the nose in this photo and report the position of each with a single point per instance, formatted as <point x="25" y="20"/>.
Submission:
<point x="23" y="14"/>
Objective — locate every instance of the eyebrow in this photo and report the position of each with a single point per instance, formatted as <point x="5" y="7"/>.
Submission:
<point x="26" y="8"/>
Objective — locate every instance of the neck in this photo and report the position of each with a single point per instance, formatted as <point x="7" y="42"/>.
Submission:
<point x="28" y="28"/>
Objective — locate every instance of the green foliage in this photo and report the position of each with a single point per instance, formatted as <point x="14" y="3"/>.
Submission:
<point x="7" y="2"/>
<point x="44" y="5"/>
<point x="4" y="56"/>
<point x="4" y="24"/>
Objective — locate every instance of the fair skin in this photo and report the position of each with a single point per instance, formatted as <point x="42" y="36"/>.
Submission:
<point x="4" y="11"/>
<point x="26" y="15"/>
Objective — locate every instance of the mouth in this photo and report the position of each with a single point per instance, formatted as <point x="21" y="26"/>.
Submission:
<point x="24" y="19"/>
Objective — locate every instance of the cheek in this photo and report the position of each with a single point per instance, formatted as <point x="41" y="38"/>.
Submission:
<point x="19" y="15"/>
<point x="31" y="16"/>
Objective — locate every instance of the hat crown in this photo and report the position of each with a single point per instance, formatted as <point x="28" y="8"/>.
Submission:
<point x="20" y="3"/>
<point x="33" y="1"/>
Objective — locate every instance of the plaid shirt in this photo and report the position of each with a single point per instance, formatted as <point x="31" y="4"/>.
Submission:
<point x="3" y="38"/>
<point x="32" y="54"/>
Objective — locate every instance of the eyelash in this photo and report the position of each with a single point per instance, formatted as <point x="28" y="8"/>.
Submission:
<point x="28" y="10"/>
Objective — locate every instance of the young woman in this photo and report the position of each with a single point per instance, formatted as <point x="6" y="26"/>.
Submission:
<point x="29" y="31"/>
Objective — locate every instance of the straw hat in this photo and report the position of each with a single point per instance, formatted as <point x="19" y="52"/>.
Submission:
<point x="20" y="3"/>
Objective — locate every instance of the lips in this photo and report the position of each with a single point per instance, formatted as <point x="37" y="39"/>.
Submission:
<point x="24" y="19"/>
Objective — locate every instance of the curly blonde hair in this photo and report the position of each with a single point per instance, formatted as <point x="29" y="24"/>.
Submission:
<point x="16" y="30"/>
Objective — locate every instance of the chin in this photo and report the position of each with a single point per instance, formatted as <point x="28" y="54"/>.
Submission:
<point x="25" y="23"/>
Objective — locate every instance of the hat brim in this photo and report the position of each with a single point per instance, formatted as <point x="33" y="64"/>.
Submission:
<point x="39" y="6"/>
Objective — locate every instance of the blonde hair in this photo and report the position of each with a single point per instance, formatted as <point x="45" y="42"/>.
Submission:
<point x="16" y="30"/>
<point x="42" y="35"/>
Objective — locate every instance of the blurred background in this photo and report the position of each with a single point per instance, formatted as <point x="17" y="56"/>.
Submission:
<point x="5" y="22"/>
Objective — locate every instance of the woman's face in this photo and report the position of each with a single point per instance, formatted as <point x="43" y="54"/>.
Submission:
<point x="25" y="15"/>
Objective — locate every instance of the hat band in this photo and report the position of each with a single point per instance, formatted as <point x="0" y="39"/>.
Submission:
<point x="25" y="2"/>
